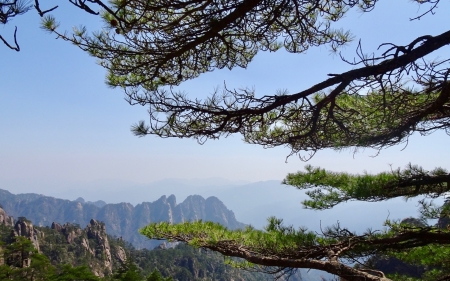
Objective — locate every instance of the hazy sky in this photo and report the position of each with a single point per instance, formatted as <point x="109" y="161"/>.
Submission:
<point x="61" y="124"/>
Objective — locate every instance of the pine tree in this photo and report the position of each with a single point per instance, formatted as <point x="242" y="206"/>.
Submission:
<point x="68" y="273"/>
<point x="148" y="47"/>
<point x="128" y="272"/>
<point x="156" y="276"/>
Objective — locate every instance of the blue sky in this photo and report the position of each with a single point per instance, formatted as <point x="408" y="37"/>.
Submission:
<point x="60" y="124"/>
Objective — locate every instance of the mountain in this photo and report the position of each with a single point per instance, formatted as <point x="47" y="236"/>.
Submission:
<point x="105" y="256"/>
<point x="252" y="203"/>
<point x="123" y="219"/>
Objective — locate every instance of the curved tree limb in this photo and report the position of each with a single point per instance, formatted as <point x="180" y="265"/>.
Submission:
<point x="282" y="247"/>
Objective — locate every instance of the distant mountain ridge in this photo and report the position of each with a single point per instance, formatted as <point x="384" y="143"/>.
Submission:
<point x="123" y="219"/>
<point x="98" y="203"/>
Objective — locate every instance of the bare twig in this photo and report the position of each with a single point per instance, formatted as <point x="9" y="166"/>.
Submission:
<point x="15" y="48"/>
<point x="40" y="12"/>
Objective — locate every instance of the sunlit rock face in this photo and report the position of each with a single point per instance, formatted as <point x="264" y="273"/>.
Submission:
<point x="73" y="244"/>
<point x="94" y="240"/>
<point x="97" y="232"/>
<point x="24" y="227"/>
<point x="5" y="219"/>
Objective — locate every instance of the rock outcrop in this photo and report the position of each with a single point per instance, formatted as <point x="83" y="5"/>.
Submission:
<point x="56" y="226"/>
<point x="24" y="227"/>
<point x="97" y="232"/>
<point x="121" y="255"/>
<point x="5" y="219"/>
<point x="74" y="245"/>
<point x="94" y="240"/>
<point x="69" y="231"/>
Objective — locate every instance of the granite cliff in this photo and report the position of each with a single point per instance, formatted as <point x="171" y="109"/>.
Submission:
<point x="66" y="243"/>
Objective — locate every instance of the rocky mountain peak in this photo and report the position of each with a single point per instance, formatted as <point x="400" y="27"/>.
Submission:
<point x="24" y="227"/>
<point x="80" y="199"/>
<point x="172" y="200"/>
<point x="56" y="226"/>
<point x="97" y="231"/>
<point x="5" y="219"/>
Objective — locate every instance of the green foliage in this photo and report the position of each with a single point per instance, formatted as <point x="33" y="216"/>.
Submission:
<point x="19" y="251"/>
<point x="68" y="273"/>
<point x="146" y="46"/>
<point x="148" y="37"/>
<point x="5" y="233"/>
<point x="188" y="263"/>
<point x="49" y="23"/>
<point x="277" y="238"/>
<point x="356" y="120"/>
<point x="332" y="188"/>
<point x="434" y="259"/>
<point x="40" y="268"/>
<point x="156" y="276"/>
<point x="23" y="262"/>
<point x="6" y="272"/>
<point x="410" y="241"/>
<point x="129" y="271"/>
